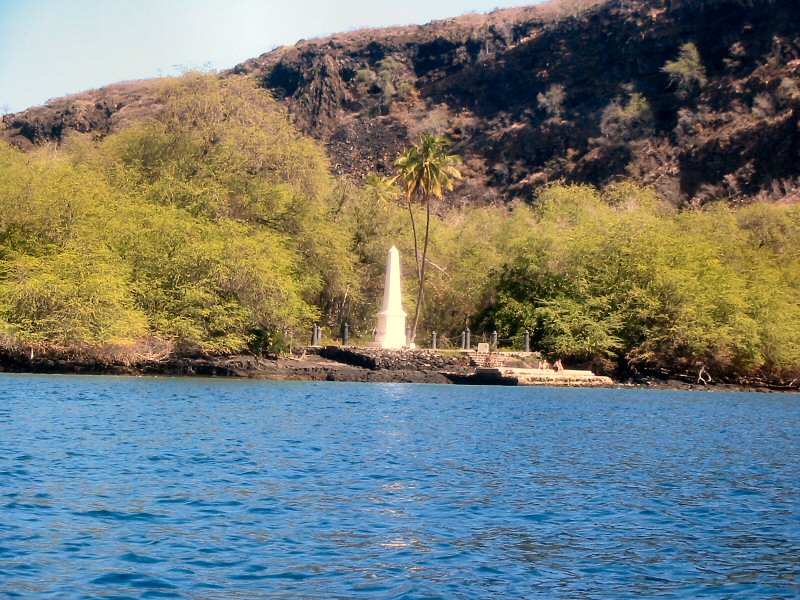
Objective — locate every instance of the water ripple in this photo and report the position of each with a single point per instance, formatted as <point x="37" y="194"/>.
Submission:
<point x="169" y="488"/>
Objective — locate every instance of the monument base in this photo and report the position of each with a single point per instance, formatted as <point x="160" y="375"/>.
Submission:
<point x="391" y="331"/>
<point x="382" y="346"/>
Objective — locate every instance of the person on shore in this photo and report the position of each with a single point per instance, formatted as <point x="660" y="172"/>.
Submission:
<point x="558" y="366"/>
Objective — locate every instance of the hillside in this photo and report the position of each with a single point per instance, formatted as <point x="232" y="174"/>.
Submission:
<point x="699" y="98"/>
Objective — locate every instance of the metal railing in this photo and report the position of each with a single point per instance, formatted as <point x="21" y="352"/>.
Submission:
<point x="464" y="341"/>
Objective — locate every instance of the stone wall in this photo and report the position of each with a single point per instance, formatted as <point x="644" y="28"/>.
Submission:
<point x="394" y="360"/>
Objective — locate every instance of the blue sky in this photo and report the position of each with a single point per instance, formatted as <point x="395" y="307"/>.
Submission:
<point x="49" y="48"/>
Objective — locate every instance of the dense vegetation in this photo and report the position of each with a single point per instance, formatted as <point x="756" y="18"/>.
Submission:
<point x="207" y="227"/>
<point x="617" y="277"/>
<point x="215" y="227"/>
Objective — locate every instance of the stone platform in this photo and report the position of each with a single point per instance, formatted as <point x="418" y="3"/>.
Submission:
<point x="470" y="368"/>
<point x="567" y="377"/>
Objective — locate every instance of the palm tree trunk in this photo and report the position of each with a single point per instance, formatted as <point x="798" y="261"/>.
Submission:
<point x="414" y="229"/>
<point x="421" y="290"/>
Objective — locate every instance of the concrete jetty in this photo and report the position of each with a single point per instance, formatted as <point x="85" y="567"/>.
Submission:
<point x="567" y="377"/>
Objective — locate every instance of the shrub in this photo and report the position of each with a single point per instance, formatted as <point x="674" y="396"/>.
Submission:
<point x="687" y="71"/>
<point x="552" y="101"/>
<point x="617" y="276"/>
<point x="788" y="91"/>
<point x="624" y="122"/>
<point x="80" y="296"/>
<point x="394" y="80"/>
<point x="764" y="105"/>
<point x="365" y="78"/>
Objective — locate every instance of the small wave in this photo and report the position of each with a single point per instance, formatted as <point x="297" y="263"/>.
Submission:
<point x="264" y="510"/>
<point x="538" y="517"/>
<point x="118" y="516"/>
<point x="214" y="564"/>
<point x="139" y="559"/>
<point x="290" y="575"/>
<point x="488" y="570"/>
<point x="135" y="580"/>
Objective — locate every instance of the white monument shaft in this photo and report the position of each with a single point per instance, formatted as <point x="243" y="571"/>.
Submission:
<point x="392" y="319"/>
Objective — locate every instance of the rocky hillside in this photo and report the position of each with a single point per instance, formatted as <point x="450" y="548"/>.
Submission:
<point x="700" y="98"/>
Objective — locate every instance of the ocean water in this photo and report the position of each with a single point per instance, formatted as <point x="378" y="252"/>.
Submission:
<point x="192" y="488"/>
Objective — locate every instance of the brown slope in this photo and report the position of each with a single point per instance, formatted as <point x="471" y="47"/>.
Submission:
<point x="478" y="78"/>
<point x="95" y="111"/>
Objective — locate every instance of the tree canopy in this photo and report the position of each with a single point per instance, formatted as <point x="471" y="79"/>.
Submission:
<point x="216" y="227"/>
<point x="208" y="226"/>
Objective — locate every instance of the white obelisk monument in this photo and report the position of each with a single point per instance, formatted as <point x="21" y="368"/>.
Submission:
<point x="392" y="319"/>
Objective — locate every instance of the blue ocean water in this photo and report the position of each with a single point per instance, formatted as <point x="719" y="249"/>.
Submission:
<point x="191" y="488"/>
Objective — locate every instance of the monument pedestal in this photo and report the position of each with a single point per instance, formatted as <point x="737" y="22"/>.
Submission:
<point x="391" y="330"/>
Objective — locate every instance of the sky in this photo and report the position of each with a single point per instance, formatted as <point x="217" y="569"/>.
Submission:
<point x="50" y="48"/>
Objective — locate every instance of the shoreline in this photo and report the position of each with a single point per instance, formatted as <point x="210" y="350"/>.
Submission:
<point x="425" y="367"/>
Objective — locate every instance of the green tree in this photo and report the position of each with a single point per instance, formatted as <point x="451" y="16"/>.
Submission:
<point x="77" y="297"/>
<point x="616" y="277"/>
<point x="427" y="170"/>
<point x="369" y="216"/>
<point x="629" y="121"/>
<point x="687" y="71"/>
<point x="210" y="221"/>
<point x="381" y="189"/>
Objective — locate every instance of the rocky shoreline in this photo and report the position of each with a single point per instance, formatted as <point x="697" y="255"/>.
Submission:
<point x="330" y="363"/>
<point x="313" y="364"/>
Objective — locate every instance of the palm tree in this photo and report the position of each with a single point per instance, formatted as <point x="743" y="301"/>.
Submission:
<point x="427" y="170"/>
<point x="381" y="189"/>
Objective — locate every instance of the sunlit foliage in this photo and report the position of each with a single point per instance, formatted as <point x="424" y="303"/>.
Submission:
<point x="208" y="226"/>
<point x="616" y="277"/>
<point x="216" y="227"/>
<point x="687" y="72"/>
